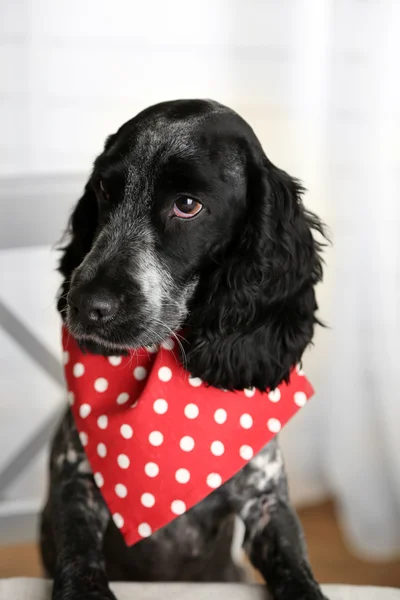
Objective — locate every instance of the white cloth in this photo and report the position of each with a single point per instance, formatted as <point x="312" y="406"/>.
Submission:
<point x="39" y="589"/>
<point x="348" y="440"/>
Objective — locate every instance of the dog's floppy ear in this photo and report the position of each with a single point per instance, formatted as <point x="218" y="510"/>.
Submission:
<point x="81" y="230"/>
<point x="254" y="314"/>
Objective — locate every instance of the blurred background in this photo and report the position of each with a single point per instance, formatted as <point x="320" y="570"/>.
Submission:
<point x="319" y="82"/>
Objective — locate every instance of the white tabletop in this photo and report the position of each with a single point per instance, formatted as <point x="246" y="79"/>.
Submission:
<point x="40" y="589"/>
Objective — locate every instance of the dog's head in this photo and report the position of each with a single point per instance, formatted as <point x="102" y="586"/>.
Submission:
<point x="184" y="222"/>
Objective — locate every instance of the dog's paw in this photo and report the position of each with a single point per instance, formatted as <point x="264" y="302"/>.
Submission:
<point x="79" y="593"/>
<point x="78" y="585"/>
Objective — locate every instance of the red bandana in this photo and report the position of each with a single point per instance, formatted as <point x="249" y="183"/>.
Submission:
<point x="159" y="441"/>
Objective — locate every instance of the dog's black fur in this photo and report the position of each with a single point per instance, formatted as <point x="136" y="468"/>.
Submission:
<point x="239" y="279"/>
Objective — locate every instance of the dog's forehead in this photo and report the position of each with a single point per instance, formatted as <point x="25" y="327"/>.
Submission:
<point x="163" y="137"/>
<point x="197" y="138"/>
<point x="179" y="127"/>
<point x="157" y="147"/>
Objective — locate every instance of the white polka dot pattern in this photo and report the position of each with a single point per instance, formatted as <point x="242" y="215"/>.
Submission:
<point x="98" y="479"/>
<point x="274" y="395"/>
<point x="159" y="440"/>
<point x="249" y="392"/>
<point x="121" y="490"/>
<point x="220" y="416"/>
<point x="160" y="406"/>
<point x="123" y="461"/>
<point x="148" y="500"/>
<point x="118" y="520"/>
<point x="178" y="507"/>
<point x="182" y="475"/>
<point x="151" y="349"/>
<point x="144" y="530"/>
<point x="78" y="369"/>
<point x="84" y="438"/>
<point x="217" y="448"/>
<point x="274" y="425"/>
<point x="156" y="438"/>
<point x="191" y="411"/>
<point x="126" y="431"/>
<point x="168" y="344"/>
<point x="102" y="450"/>
<point x="85" y="410"/>
<point x="102" y="421"/>
<point x="246" y="452"/>
<point x="299" y="370"/>
<point x="214" y="480"/>
<point x="187" y="443"/>
<point x="300" y="398"/>
<point x="246" y="421"/>
<point x="139" y="373"/>
<point x="151" y="469"/>
<point x="115" y="360"/>
<point x="164" y="374"/>
<point x="122" y="398"/>
<point x="101" y="384"/>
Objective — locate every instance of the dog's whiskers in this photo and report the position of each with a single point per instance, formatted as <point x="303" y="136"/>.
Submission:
<point x="176" y="337"/>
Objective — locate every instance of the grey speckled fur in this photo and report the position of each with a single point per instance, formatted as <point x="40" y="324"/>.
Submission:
<point x="193" y="547"/>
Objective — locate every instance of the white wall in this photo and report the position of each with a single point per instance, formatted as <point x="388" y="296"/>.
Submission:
<point x="72" y="71"/>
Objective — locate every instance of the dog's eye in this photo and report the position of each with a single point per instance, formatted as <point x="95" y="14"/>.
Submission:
<point x="104" y="191"/>
<point x="186" y="208"/>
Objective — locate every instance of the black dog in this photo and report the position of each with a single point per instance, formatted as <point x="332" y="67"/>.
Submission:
<point x="186" y="223"/>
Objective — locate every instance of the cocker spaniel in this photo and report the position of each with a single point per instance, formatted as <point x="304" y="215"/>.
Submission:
<point x="185" y="224"/>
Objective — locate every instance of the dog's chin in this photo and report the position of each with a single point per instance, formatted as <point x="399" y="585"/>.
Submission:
<point x="122" y="338"/>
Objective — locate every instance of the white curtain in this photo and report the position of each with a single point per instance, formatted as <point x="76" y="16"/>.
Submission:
<point x="350" y="439"/>
<point x="362" y="422"/>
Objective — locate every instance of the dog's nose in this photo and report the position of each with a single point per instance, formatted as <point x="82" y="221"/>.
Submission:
<point x="93" y="307"/>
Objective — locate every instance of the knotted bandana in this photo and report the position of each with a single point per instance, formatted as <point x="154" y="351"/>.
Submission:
<point x="158" y="440"/>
